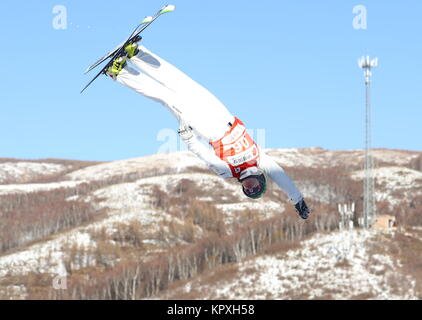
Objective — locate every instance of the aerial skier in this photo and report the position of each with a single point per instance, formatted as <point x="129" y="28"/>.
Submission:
<point x="202" y="115"/>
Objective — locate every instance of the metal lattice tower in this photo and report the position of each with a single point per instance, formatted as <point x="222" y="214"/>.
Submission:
<point x="368" y="187"/>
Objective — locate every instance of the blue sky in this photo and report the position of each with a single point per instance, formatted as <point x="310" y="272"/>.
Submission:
<point x="289" y="67"/>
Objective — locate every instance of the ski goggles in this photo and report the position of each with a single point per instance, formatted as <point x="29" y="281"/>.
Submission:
<point x="257" y="190"/>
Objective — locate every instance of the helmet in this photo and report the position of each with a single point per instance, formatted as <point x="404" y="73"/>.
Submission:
<point x="257" y="191"/>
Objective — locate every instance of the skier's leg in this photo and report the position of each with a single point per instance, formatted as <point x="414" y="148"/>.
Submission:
<point x="170" y="76"/>
<point x="148" y="87"/>
<point x="209" y="128"/>
<point x="162" y="71"/>
<point x="198" y="113"/>
<point x="210" y="116"/>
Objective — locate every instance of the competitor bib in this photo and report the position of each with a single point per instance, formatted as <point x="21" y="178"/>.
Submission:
<point x="237" y="149"/>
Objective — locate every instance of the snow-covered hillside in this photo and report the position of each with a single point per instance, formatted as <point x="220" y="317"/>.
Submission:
<point x="339" y="265"/>
<point x="125" y="203"/>
<point x="21" y="172"/>
<point x="394" y="184"/>
<point x="145" y="165"/>
<point x="34" y="187"/>
<point x="322" y="158"/>
<point x="125" y="192"/>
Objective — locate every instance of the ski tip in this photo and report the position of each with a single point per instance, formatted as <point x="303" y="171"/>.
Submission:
<point x="84" y="89"/>
<point x="168" y="8"/>
<point x="146" y="20"/>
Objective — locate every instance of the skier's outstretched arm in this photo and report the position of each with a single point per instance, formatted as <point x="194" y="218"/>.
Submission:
<point x="277" y="174"/>
<point x="219" y="166"/>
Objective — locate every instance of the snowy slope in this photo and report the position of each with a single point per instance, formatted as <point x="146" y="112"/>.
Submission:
<point x="33" y="187"/>
<point x="322" y="158"/>
<point x="125" y="203"/>
<point x="145" y="165"/>
<point x="331" y="266"/>
<point x="48" y="257"/>
<point x="394" y="181"/>
<point x="131" y="201"/>
<point x="21" y="172"/>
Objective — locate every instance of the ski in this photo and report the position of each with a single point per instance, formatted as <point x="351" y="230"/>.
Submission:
<point x="119" y="49"/>
<point x="112" y="52"/>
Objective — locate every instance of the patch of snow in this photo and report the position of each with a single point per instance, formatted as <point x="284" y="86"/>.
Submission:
<point x="34" y="187"/>
<point x="393" y="176"/>
<point x="45" y="257"/>
<point x="393" y="180"/>
<point x="261" y="205"/>
<point x="336" y="265"/>
<point x="177" y="161"/>
<point x="21" y="172"/>
<point x="15" y="292"/>
<point x="398" y="157"/>
<point x="322" y="158"/>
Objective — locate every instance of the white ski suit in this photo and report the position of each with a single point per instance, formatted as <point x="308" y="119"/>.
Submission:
<point x="193" y="104"/>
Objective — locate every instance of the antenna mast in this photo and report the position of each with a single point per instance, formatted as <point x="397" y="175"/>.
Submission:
<point x="368" y="188"/>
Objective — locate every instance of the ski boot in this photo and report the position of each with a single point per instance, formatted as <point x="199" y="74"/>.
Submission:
<point x="302" y="209"/>
<point x="131" y="49"/>
<point x="116" y="67"/>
